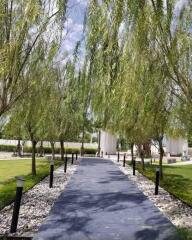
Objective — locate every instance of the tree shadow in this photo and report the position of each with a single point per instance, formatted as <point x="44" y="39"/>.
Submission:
<point x="110" y="205"/>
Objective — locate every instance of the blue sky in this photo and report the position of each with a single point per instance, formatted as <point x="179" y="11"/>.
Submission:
<point x="73" y="25"/>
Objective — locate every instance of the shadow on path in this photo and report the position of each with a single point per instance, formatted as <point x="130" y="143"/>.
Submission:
<point x="101" y="203"/>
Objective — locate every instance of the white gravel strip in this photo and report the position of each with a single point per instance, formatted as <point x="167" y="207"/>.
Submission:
<point x="36" y="203"/>
<point x="179" y="213"/>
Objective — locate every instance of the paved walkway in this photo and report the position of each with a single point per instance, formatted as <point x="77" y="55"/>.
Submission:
<point x="101" y="203"/>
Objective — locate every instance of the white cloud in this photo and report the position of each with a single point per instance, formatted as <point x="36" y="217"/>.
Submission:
<point x="73" y="33"/>
<point x="82" y="2"/>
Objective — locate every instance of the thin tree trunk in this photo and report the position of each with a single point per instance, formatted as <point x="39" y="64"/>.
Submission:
<point x="82" y="143"/>
<point x="142" y="160"/>
<point x="62" y="150"/>
<point x="19" y="148"/>
<point x="141" y="153"/>
<point x="41" y="149"/>
<point x="99" y="143"/>
<point x="161" y="154"/>
<point x="53" y="150"/>
<point x="34" y="143"/>
<point x="147" y="149"/>
<point x="132" y="145"/>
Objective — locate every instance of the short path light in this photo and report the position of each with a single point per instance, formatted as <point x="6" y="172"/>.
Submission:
<point x="20" y="183"/>
<point x="72" y="159"/>
<point x="124" y="160"/>
<point x="157" y="181"/>
<point x="76" y="156"/>
<point x="118" y="156"/>
<point x="65" y="164"/>
<point x="134" y="165"/>
<point x="51" y="173"/>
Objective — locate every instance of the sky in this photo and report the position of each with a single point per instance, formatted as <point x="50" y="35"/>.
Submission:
<point x="179" y="6"/>
<point x="73" y="31"/>
<point x="75" y="18"/>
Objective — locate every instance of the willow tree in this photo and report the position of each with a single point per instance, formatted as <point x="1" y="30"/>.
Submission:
<point x="139" y="55"/>
<point x="22" y="24"/>
<point x="128" y="73"/>
<point x="103" y="54"/>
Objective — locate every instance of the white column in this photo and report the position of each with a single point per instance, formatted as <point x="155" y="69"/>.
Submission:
<point x="108" y="143"/>
<point x="176" y="146"/>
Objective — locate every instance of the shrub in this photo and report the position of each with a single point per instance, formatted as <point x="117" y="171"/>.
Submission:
<point x="8" y="148"/>
<point x="47" y="150"/>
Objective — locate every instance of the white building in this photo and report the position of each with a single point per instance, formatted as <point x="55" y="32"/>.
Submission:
<point x="108" y="143"/>
<point x="172" y="146"/>
<point x="176" y="146"/>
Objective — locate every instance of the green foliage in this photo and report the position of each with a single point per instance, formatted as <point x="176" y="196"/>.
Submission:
<point x="7" y="148"/>
<point x="177" y="180"/>
<point x="139" y="64"/>
<point x="185" y="233"/>
<point x="47" y="150"/>
<point x="23" y="26"/>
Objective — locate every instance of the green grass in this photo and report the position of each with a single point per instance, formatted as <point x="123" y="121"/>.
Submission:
<point x="185" y="234"/>
<point x="177" y="180"/>
<point x="156" y="161"/>
<point x="11" y="168"/>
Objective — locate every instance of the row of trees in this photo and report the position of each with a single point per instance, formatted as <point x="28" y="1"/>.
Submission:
<point x="140" y="66"/>
<point x="135" y="80"/>
<point x="43" y="96"/>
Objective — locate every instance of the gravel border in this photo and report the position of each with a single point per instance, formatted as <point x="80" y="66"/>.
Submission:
<point x="179" y="213"/>
<point x="36" y="204"/>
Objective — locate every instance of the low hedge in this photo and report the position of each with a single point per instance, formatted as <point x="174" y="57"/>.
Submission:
<point x="47" y="150"/>
<point x="8" y="148"/>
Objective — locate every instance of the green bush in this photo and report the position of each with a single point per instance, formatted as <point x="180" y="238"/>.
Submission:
<point x="8" y="148"/>
<point x="47" y="150"/>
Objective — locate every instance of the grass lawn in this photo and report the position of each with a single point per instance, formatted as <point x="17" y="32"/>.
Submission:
<point x="156" y="161"/>
<point x="11" y="168"/>
<point x="178" y="181"/>
<point x="185" y="234"/>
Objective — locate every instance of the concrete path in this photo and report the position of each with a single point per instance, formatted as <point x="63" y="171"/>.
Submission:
<point x="101" y="203"/>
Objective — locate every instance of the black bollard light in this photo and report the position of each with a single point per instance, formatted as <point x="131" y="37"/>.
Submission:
<point x="118" y="156"/>
<point x="20" y="182"/>
<point x="124" y="160"/>
<point x="102" y="154"/>
<point x="72" y="159"/>
<point x="51" y="173"/>
<point x="65" y="164"/>
<point x="157" y="181"/>
<point x="134" y="165"/>
<point x="76" y="156"/>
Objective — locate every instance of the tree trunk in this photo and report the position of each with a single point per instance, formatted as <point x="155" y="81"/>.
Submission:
<point x="34" y="143"/>
<point x="53" y="150"/>
<point x="82" y="144"/>
<point x="132" y="145"/>
<point x="99" y="143"/>
<point x="147" y="149"/>
<point x="41" y="149"/>
<point x="19" y="148"/>
<point x="141" y="153"/>
<point x="161" y="154"/>
<point x="62" y="150"/>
